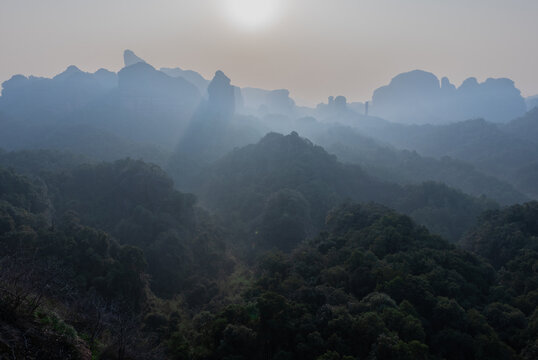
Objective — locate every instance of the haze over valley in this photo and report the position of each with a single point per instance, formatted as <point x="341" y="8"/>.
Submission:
<point x="156" y="212"/>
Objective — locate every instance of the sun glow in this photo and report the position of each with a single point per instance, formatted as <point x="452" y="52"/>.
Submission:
<point x="252" y="14"/>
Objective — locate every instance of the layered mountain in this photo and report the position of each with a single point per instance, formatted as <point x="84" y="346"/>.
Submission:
<point x="191" y="76"/>
<point x="40" y="100"/>
<point x="143" y="112"/>
<point x="213" y="131"/>
<point x="502" y="151"/>
<point x="139" y="104"/>
<point x="408" y="167"/>
<point x="262" y="102"/>
<point x="524" y="127"/>
<point x="259" y="182"/>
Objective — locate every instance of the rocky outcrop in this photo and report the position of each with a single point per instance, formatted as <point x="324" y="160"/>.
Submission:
<point x="221" y="96"/>
<point x="418" y="97"/>
<point x="268" y="101"/>
<point x="191" y="76"/>
<point x="130" y="58"/>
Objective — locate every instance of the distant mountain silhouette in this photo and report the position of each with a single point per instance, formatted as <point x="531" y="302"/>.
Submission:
<point x="525" y="127"/>
<point x="338" y="110"/>
<point x="247" y="100"/>
<point x="417" y="97"/>
<point x="221" y="96"/>
<point x="532" y="102"/>
<point x="147" y="106"/>
<point x="191" y="76"/>
<point x="268" y="101"/>
<point x="495" y="149"/>
<point x="180" y="112"/>
<point x="41" y="99"/>
<point x="141" y="82"/>
<point x="139" y="104"/>
<point x="214" y="130"/>
<point x="408" y="167"/>
<point x="130" y="58"/>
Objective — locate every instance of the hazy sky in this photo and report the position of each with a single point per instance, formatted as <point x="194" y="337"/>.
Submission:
<point x="315" y="48"/>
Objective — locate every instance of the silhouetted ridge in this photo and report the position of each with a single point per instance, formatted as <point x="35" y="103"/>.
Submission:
<point x="130" y="58"/>
<point x="142" y="81"/>
<point x="191" y="76"/>
<point x="40" y="100"/>
<point x="418" y="97"/>
<point x="525" y="127"/>
<point x="221" y="96"/>
<point x="265" y="102"/>
<point x="241" y="184"/>
<point x="408" y="167"/>
<point x="71" y="70"/>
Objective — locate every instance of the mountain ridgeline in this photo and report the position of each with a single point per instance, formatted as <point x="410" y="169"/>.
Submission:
<point x="243" y="184"/>
<point x="158" y="214"/>
<point x="419" y="97"/>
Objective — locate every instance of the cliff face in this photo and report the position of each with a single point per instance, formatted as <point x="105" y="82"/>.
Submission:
<point x="418" y="97"/>
<point x="130" y="58"/>
<point x="142" y="80"/>
<point x="221" y="95"/>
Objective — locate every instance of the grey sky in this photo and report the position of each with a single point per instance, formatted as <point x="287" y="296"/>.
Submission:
<point x="315" y="48"/>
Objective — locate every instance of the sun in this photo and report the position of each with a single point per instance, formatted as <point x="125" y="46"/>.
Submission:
<point x="252" y="14"/>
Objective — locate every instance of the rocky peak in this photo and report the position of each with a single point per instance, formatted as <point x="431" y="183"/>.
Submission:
<point x="130" y="58"/>
<point x="221" y="95"/>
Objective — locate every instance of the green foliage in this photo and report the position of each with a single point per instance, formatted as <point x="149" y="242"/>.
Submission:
<point x="56" y="324"/>
<point x="376" y="285"/>
<point x="373" y="284"/>
<point x="279" y="191"/>
<point x="500" y="235"/>
<point x="20" y="192"/>
<point x="507" y="152"/>
<point x="408" y="167"/>
<point x="136" y="203"/>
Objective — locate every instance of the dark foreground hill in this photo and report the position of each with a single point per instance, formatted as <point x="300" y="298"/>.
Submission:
<point x="374" y="286"/>
<point x="108" y="261"/>
<point x="502" y="235"/>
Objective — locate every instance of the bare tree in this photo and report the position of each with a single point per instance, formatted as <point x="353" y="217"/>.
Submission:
<point x="25" y="281"/>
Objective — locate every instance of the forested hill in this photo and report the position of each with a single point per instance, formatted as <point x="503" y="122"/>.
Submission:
<point x="502" y="236"/>
<point x="375" y="286"/>
<point x="108" y="261"/>
<point x="507" y="152"/>
<point x="91" y="245"/>
<point x="408" y="167"/>
<point x="290" y="180"/>
<point x="136" y="203"/>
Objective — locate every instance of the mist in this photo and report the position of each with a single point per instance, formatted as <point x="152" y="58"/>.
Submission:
<point x="263" y="206"/>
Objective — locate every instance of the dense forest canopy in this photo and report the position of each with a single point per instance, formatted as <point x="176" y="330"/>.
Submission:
<point x="371" y="283"/>
<point x="240" y="184"/>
